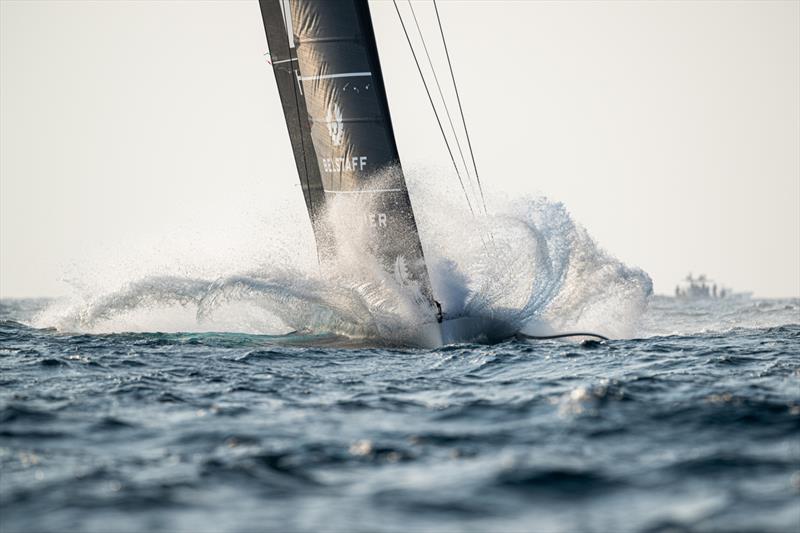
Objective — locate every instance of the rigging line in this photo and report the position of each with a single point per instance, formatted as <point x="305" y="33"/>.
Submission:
<point x="441" y="93"/>
<point x="436" y="114"/>
<point x="460" y="109"/>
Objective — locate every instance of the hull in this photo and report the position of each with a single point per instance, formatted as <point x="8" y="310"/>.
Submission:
<point x="463" y="330"/>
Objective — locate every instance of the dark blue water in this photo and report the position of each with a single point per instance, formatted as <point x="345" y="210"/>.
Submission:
<point x="232" y="432"/>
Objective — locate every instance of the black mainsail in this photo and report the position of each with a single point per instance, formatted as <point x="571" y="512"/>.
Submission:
<point x="329" y="78"/>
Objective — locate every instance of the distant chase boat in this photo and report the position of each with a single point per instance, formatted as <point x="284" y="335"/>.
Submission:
<point x="703" y="288"/>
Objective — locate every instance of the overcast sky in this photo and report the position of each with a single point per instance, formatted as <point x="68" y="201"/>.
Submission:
<point x="670" y="130"/>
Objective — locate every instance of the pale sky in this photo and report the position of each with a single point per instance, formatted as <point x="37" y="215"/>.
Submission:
<point x="670" y="130"/>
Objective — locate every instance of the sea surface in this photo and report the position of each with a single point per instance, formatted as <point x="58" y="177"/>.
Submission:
<point x="691" y="424"/>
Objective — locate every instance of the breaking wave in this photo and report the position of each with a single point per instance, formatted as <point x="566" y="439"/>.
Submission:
<point x="527" y="264"/>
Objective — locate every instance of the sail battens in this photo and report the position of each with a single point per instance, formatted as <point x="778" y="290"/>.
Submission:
<point x="348" y="120"/>
<point x="317" y="40"/>
<point x="333" y="76"/>
<point x="365" y="191"/>
<point x="284" y="61"/>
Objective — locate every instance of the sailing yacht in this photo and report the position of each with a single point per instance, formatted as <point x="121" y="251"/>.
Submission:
<point x="328" y="73"/>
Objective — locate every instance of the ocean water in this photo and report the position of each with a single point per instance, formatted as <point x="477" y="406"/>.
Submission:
<point x="691" y="422"/>
<point x="177" y="391"/>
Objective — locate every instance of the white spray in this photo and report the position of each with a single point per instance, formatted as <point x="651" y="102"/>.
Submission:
<point x="525" y="263"/>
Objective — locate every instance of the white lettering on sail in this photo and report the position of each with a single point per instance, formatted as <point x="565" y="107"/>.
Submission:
<point x="376" y="220"/>
<point x="344" y="164"/>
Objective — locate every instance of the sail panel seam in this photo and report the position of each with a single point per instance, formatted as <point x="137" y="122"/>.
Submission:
<point x="347" y="120"/>
<point x="315" y="40"/>
<point x="340" y="75"/>
<point x="367" y="191"/>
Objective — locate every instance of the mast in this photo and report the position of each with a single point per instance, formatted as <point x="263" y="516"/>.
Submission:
<point x="329" y="77"/>
<point x="283" y="57"/>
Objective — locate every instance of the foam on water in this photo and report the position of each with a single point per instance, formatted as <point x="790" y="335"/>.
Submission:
<point x="526" y="263"/>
